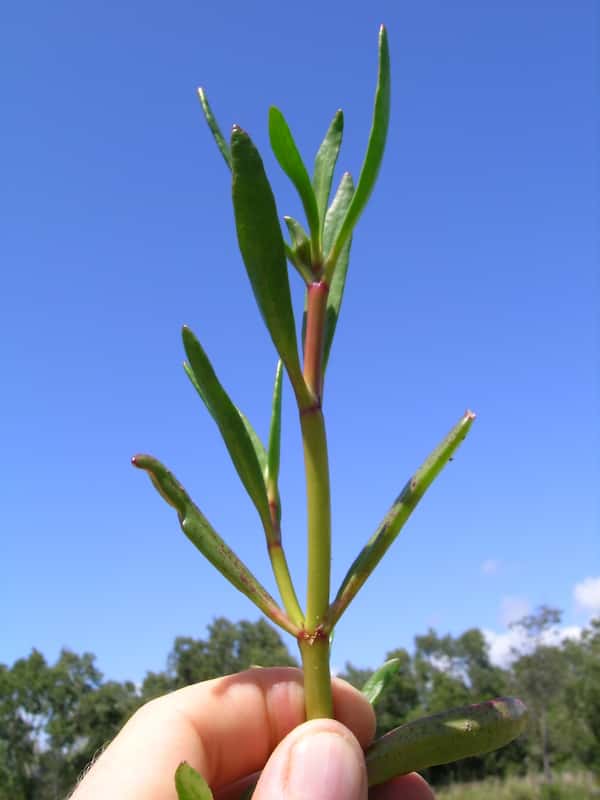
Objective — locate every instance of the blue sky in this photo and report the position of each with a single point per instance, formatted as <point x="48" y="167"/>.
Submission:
<point x="472" y="284"/>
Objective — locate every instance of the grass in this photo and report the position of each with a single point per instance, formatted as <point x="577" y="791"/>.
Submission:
<point x="569" y="786"/>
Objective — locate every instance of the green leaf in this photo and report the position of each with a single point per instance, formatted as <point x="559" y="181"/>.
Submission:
<point x="214" y="127"/>
<point x="394" y="520"/>
<point x="201" y="533"/>
<point x="446" y="737"/>
<point x="380" y="680"/>
<point x="290" y="161"/>
<point x="275" y="429"/>
<point x="338" y="209"/>
<point x="325" y="162"/>
<point x="374" y="154"/>
<point x="300" y="249"/>
<point x="262" y="248"/>
<point x="232" y="425"/>
<point x="259" y="448"/>
<point x="333" y="221"/>
<point x="190" y="784"/>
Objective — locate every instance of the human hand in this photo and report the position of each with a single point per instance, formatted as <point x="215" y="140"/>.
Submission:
<point x="232" y="727"/>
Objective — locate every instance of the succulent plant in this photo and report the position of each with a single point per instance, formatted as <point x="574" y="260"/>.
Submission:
<point x="320" y="253"/>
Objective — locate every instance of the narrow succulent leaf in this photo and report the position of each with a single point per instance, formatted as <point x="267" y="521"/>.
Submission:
<point x="336" y="213"/>
<point x="190" y="785"/>
<point x="333" y="221"/>
<point x="290" y="161"/>
<point x="214" y="127"/>
<point x="233" y="426"/>
<point x="259" y="448"/>
<point x="262" y="248"/>
<point x="325" y="162"/>
<point x="201" y="533"/>
<point x="380" y="680"/>
<point x="396" y="517"/>
<point x="299" y="250"/>
<point x="275" y="429"/>
<point x="297" y="233"/>
<point x="374" y="154"/>
<point x="300" y="241"/>
<point x="446" y="737"/>
<point x="292" y="257"/>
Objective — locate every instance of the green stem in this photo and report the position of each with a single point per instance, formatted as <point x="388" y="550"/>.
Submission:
<point x="314" y="644"/>
<point x="319" y="517"/>
<point x="317" y="679"/>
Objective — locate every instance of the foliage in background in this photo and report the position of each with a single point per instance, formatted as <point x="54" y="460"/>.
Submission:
<point x="568" y="786"/>
<point x="55" y="717"/>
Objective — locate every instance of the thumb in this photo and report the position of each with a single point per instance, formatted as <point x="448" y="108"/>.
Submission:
<point x="319" y="760"/>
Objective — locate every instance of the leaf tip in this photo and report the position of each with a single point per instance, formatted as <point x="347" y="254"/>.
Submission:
<point x="383" y="44"/>
<point x="141" y="461"/>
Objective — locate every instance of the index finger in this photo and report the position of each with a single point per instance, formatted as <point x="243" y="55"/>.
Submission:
<point x="225" y="728"/>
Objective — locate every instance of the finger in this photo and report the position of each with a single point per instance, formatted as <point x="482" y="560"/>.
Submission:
<point x="406" y="787"/>
<point x="225" y="728"/>
<point x="320" y="760"/>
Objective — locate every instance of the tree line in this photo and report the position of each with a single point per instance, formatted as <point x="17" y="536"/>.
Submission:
<point x="55" y="718"/>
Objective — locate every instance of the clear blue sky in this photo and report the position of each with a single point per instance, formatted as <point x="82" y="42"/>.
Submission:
<point x="472" y="284"/>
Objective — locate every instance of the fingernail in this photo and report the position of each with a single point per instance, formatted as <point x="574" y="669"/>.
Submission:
<point x="325" y="766"/>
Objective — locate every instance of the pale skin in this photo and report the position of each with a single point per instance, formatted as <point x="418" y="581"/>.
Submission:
<point x="232" y="727"/>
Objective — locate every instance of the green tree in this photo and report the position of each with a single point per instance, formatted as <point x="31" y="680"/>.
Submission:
<point x="18" y="757"/>
<point x="440" y="677"/>
<point x="156" y="684"/>
<point x="590" y="684"/>
<point x="580" y="721"/>
<point x="230" y="647"/>
<point x="52" y="721"/>
<point x="101" y="715"/>
<point x="539" y="675"/>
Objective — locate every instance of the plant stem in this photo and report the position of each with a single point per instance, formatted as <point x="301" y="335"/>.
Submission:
<point x="319" y="518"/>
<point x="316" y="309"/>
<point x="317" y="679"/>
<point x="314" y="644"/>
